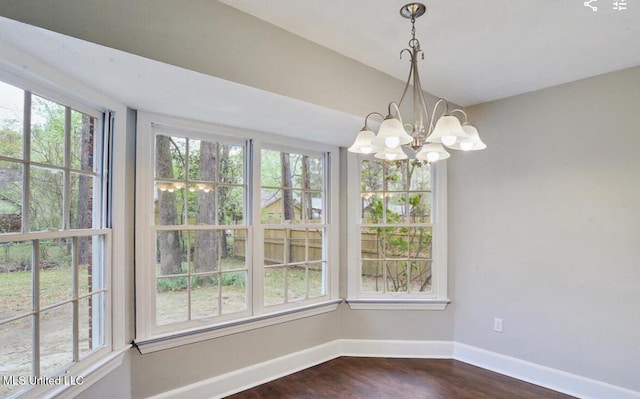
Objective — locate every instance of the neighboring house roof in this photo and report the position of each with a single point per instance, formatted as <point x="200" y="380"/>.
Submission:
<point x="269" y="198"/>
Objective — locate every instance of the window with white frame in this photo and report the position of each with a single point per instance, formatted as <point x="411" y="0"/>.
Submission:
<point x="399" y="253"/>
<point x="294" y="226"/>
<point x="54" y="237"/>
<point x="200" y="230"/>
<point x="234" y="228"/>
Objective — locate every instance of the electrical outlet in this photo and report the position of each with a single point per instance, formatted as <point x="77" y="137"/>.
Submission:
<point x="497" y="325"/>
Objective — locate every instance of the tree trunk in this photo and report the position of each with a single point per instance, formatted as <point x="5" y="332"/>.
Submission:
<point x="206" y="246"/>
<point x="306" y="179"/>
<point x="287" y="195"/>
<point x="223" y="208"/>
<point x="169" y="241"/>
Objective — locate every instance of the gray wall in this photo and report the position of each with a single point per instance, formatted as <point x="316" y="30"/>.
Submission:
<point x="116" y="384"/>
<point x="157" y="372"/>
<point x="545" y="229"/>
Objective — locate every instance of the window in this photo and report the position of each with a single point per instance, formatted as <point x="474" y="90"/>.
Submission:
<point x="232" y="229"/>
<point x="54" y="240"/>
<point x="199" y="206"/>
<point x="294" y="227"/>
<point x="398" y="259"/>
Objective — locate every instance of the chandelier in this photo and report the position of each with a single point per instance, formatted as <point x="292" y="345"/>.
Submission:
<point x="421" y="138"/>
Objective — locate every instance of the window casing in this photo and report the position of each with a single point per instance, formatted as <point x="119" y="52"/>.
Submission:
<point x="55" y="268"/>
<point x="236" y="232"/>
<point x="397" y="234"/>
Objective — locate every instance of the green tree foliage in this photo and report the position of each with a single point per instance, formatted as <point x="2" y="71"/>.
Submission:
<point x="390" y="199"/>
<point x="10" y="142"/>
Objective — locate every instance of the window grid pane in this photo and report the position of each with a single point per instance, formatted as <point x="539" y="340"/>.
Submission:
<point x="198" y="182"/>
<point x="292" y="199"/>
<point x="200" y="274"/>
<point x="294" y="264"/>
<point x="396" y="232"/>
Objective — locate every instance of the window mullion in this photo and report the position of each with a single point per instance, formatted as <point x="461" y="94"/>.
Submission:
<point x="35" y="289"/>
<point x="306" y="259"/>
<point x="66" y="185"/>
<point x="255" y="234"/>
<point x="104" y="147"/>
<point x="75" y="257"/>
<point x="26" y="168"/>
<point x="185" y="197"/>
<point x="287" y="259"/>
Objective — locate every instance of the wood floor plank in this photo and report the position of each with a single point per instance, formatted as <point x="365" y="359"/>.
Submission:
<point x="384" y="378"/>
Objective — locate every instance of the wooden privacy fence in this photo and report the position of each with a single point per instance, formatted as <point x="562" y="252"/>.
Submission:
<point x="274" y="244"/>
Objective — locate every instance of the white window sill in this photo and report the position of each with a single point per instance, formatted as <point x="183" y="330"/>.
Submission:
<point x="397" y="304"/>
<point x="83" y="378"/>
<point x="173" y="340"/>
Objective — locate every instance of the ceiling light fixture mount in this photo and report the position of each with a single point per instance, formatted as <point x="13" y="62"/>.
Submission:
<point x="425" y="138"/>
<point x="413" y="10"/>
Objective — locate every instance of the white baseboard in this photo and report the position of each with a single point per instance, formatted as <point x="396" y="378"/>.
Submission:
<point x="395" y="348"/>
<point x="557" y="380"/>
<point x="248" y="377"/>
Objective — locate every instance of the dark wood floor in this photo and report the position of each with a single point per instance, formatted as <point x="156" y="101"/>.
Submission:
<point x="369" y="378"/>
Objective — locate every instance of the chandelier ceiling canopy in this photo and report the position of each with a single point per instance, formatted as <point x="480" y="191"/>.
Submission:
<point x="422" y="138"/>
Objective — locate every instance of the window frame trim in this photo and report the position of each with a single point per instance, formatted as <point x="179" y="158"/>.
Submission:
<point x="437" y="299"/>
<point x="30" y="75"/>
<point x="147" y="334"/>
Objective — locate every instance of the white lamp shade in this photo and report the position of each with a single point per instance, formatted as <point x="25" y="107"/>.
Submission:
<point x="392" y="154"/>
<point x="363" y="142"/>
<point x="432" y="152"/>
<point x="472" y="142"/>
<point x="391" y="134"/>
<point x="448" y="131"/>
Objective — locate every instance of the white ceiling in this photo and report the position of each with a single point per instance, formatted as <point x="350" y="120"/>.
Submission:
<point x="475" y="50"/>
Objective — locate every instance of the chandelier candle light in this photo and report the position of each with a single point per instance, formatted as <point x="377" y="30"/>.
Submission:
<point x="425" y="139"/>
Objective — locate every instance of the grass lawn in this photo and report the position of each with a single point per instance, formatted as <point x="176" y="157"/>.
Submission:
<point x="56" y="324"/>
<point x="208" y="298"/>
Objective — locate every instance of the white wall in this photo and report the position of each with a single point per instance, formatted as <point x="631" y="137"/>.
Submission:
<point x="545" y="229"/>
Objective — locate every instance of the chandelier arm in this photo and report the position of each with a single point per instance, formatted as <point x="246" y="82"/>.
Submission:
<point x="366" y="119"/>
<point x="425" y="107"/>
<point x="433" y="115"/>
<point x="417" y="117"/>
<point x="397" y="111"/>
<point x="466" y="118"/>
<point x="406" y="85"/>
